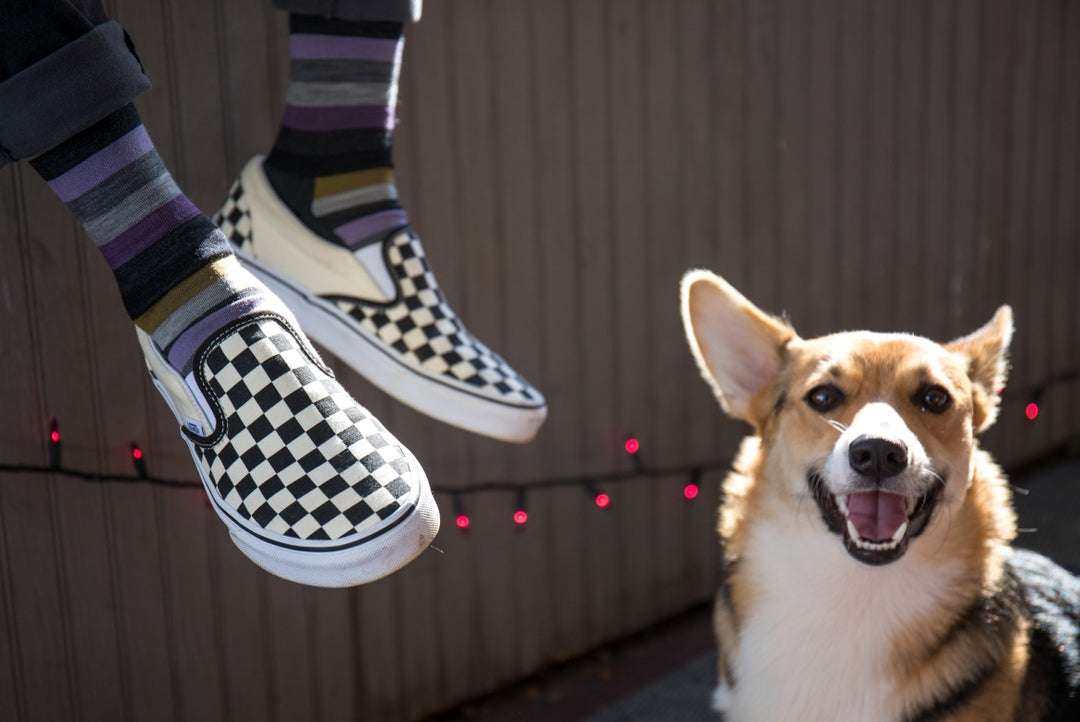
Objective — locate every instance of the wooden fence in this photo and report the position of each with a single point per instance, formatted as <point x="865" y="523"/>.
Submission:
<point x="898" y="165"/>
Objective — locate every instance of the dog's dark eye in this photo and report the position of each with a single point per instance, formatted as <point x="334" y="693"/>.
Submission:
<point x="933" y="398"/>
<point x="824" y="398"/>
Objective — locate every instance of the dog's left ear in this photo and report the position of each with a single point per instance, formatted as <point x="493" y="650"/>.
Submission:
<point x="739" y="348"/>
<point x="986" y="353"/>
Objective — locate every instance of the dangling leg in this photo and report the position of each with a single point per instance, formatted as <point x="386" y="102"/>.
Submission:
<point x="320" y="221"/>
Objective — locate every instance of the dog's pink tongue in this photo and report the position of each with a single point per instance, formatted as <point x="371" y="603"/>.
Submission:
<point x="876" y="514"/>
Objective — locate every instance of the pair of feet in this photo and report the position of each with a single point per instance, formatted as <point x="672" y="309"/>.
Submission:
<point x="311" y="486"/>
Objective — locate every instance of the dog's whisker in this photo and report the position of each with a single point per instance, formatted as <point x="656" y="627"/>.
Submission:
<point x="937" y="477"/>
<point x="839" y="426"/>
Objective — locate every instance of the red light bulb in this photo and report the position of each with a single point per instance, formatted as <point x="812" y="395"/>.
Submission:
<point x="690" y="491"/>
<point x="136" y="453"/>
<point x="1031" y="411"/>
<point x="462" y="521"/>
<point x="603" y="500"/>
<point x="54" y="445"/>
<point x="632" y="446"/>
<point x="520" y="517"/>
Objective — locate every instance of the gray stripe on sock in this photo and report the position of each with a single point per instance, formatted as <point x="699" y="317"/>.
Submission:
<point x="321" y="95"/>
<point x="340" y="71"/>
<point x="139" y="204"/>
<point x="239" y="284"/>
<point x="135" y="207"/>
<point x="100" y="199"/>
<point x="355" y="197"/>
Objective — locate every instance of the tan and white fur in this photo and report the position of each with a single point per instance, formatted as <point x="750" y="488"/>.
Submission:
<point x="867" y="570"/>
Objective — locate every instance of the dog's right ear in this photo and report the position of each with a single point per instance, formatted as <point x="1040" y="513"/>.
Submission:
<point x="738" y="347"/>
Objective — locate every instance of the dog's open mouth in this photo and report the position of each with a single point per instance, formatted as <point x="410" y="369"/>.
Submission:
<point x="876" y="525"/>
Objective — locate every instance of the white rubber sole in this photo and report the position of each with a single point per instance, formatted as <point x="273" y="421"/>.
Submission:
<point x="345" y="562"/>
<point x="429" y="393"/>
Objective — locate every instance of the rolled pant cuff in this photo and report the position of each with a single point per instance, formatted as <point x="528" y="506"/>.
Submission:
<point x="68" y="91"/>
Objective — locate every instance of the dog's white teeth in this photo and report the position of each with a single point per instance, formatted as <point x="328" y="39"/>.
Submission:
<point x="841" y="503"/>
<point x="876" y="546"/>
<point x="909" y="506"/>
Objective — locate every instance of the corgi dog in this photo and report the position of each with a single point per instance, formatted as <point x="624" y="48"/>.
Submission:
<point x="867" y="569"/>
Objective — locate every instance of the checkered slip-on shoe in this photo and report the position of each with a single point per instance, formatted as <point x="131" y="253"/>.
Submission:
<point x="380" y="310"/>
<point x="310" y="485"/>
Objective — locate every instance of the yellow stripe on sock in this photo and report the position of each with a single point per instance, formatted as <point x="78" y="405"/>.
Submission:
<point x="179" y="294"/>
<point x="328" y="185"/>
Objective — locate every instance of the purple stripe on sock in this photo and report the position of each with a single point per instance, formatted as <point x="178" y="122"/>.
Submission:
<point x="360" y="229"/>
<point x="148" y="231"/>
<point x="102" y="164"/>
<point x="338" y="47"/>
<point x="338" y="117"/>
<point x="185" y="346"/>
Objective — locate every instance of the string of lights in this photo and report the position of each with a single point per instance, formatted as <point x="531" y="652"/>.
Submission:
<point x="598" y="487"/>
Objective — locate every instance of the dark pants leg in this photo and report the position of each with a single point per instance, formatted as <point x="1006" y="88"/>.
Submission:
<point x="401" y="11"/>
<point x="63" y="67"/>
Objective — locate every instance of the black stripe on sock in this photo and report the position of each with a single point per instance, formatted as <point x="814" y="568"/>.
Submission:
<point x="332" y="142"/>
<point x="182" y="251"/>
<point x="340" y="71"/>
<point x="59" y="160"/>
<point x="316" y="25"/>
<point x="329" y="164"/>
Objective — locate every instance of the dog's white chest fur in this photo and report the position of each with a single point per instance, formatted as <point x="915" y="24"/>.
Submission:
<point x="815" y="646"/>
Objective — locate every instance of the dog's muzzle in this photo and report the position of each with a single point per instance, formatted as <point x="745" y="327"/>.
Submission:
<point x="886" y="498"/>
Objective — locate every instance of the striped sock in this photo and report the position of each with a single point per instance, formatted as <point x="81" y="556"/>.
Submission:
<point x="177" y="275"/>
<point x="332" y="160"/>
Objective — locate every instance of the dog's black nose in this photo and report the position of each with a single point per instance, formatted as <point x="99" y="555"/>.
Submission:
<point x="876" y="457"/>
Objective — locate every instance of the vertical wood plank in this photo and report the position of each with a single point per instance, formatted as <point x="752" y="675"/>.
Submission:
<point x="244" y="647"/>
<point x="420" y="657"/>
<point x="563" y="516"/>
<point x="910" y="219"/>
<point x="796" y="139"/>
<point x="1024" y="84"/>
<point x="759" y="170"/>
<point x="593" y="319"/>
<point x="855" y="251"/>
<point x="515" y="118"/>
<point x="632" y="55"/>
<point x="880" y="233"/>
<point x="1066" y="311"/>
<point x="290" y="640"/>
<point x="968" y="257"/>
<point x="23" y="444"/>
<point x="248" y="64"/>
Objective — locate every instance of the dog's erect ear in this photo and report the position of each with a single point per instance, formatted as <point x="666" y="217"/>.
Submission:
<point x="738" y="347"/>
<point x="986" y="354"/>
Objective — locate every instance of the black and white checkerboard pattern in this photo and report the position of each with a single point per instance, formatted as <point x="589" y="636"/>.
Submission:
<point x="419" y="325"/>
<point x="299" y="457"/>
<point x="422" y="328"/>
<point x="234" y="216"/>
